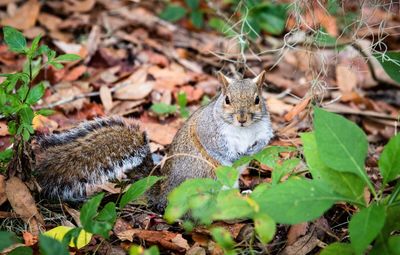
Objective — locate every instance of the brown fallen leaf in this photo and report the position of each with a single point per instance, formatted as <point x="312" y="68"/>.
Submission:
<point x="346" y="79"/>
<point x="124" y="107"/>
<point x="3" y="129"/>
<point x="296" y="231"/>
<point x="162" y="134"/>
<point x="135" y="86"/>
<point x="44" y="124"/>
<point x="75" y="214"/>
<point x="79" y="5"/>
<point x="49" y="21"/>
<point x="106" y="98"/>
<point x="65" y="91"/>
<point x="297" y="109"/>
<point x="23" y="204"/>
<point x="3" y="195"/>
<point x="180" y="241"/>
<point x="161" y="238"/>
<point x="75" y="73"/>
<point x="276" y="106"/>
<point x="25" y="17"/>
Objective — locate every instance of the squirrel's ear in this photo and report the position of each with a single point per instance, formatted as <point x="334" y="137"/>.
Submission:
<point x="224" y="80"/>
<point x="259" y="80"/>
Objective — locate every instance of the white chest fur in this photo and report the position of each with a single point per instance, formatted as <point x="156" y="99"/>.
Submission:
<point x="240" y="139"/>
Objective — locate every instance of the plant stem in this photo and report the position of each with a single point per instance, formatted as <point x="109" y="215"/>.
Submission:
<point x="395" y="193"/>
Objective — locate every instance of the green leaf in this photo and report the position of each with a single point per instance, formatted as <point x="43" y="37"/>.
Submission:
<point x="242" y="161"/>
<point x="14" y="39"/>
<point x="338" y="248"/>
<point x="223" y="238"/>
<point x="269" y="156"/>
<point x="50" y="246"/>
<point x="280" y="170"/>
<point x="230" y="204"/>
<point x="6" y="155"/>
<point x="22" y="91"/>
<point x="26" y="114"/>
<point x="56" y="65"/>
<point x="173" y="12"/>
<point x="389" y="161"/>
<point x="22" y="250"/>
<point x="296" y="200"/>
<point x="98" y="223"/>
<point x="270" y="17"/>
<point x="137" y="189"/>
<point x="138" y="250"/>
<point x="342" y="145"/>
<point x="365" y="226"/>
<point x="265" y="227"/>
<point x="35" y="93"/>
<point x="45" y="112"/>
<point x="163" y="108"/>
<point x="12" y="127"/>
<point x="196" y="17"/>
<point x="67" y="58"/>
<point x="179" y="199"/>
<point x="193" y="4"/>
<point x="7" y="239"/>
<point x="347" y="184"/>
<point x="227" y="175"/>
<point x="34" y="46"/>
<point x="182" y="102"/>
<point x="394" y="245"/>
<point x="221" y="26"/>
<point x="390" y="62"/>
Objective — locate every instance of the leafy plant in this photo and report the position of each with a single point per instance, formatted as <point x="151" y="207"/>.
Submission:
<point x="164" y="109"/>
<point x="335" y="153"/>
<point x="175" y="12"/>
<point x="390" y="61"/>
<point x="19" y="91"/>
<point x="93" y="220"/>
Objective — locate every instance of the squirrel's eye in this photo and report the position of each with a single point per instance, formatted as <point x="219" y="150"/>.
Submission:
<point x="227" y="101"/>
<point x="257" y="100"/>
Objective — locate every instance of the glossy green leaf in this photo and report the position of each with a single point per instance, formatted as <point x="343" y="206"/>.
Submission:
<point x="98" y="222"/>
<point x="26" y="114"/>
<point x="389" y="161"/>
<point x="14" y="39"/>
<point x="137" y="189"/>
<point x="296" y="200"/>
<point x="34" y="46"/>
<point x="67" y="58"/>
<point x="22" y="250"/>
<point x="45" y="112"/>
<point x="196" y="17"/>
<point x="227" y="175"/>
<point x="7" y="239"/>
<point x="50" y="246"/>
<point x="365" y="226"/>
<point x="270" y="17"/>
<point x="6" y="155"/>
<point x="390" y="62"/>
<point x="56" y="65"/>
<point x="347" y="184"/>
<point x="265" y="227"/>
<point x="394" y="245"/>
<point x="342" y="145"/>
<point x="173" y="12"/>
<point x="338" y="248"/>
<point x="193" y="4"/>
<point x="284" y="168"/>
<point x="35" y="93"/>
<point x="22" y="91"/>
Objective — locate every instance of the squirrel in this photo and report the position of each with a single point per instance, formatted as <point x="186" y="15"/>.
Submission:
<point x="235" y="123"/>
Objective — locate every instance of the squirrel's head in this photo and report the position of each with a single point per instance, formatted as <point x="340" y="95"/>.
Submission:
<point x="242" y="103"/>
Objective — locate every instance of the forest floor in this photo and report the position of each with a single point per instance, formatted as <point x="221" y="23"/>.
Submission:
<point x="132" y="59"/>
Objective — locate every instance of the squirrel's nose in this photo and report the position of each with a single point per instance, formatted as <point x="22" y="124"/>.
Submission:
<point x="241" y="118"/>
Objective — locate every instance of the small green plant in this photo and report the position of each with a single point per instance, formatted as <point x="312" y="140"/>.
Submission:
<point x="175" y="12"/>
<point x="163" y="109"/>
<point x="93" y="220"/>
<point x="335" y="153"/>
<point x="19" y="92"/>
